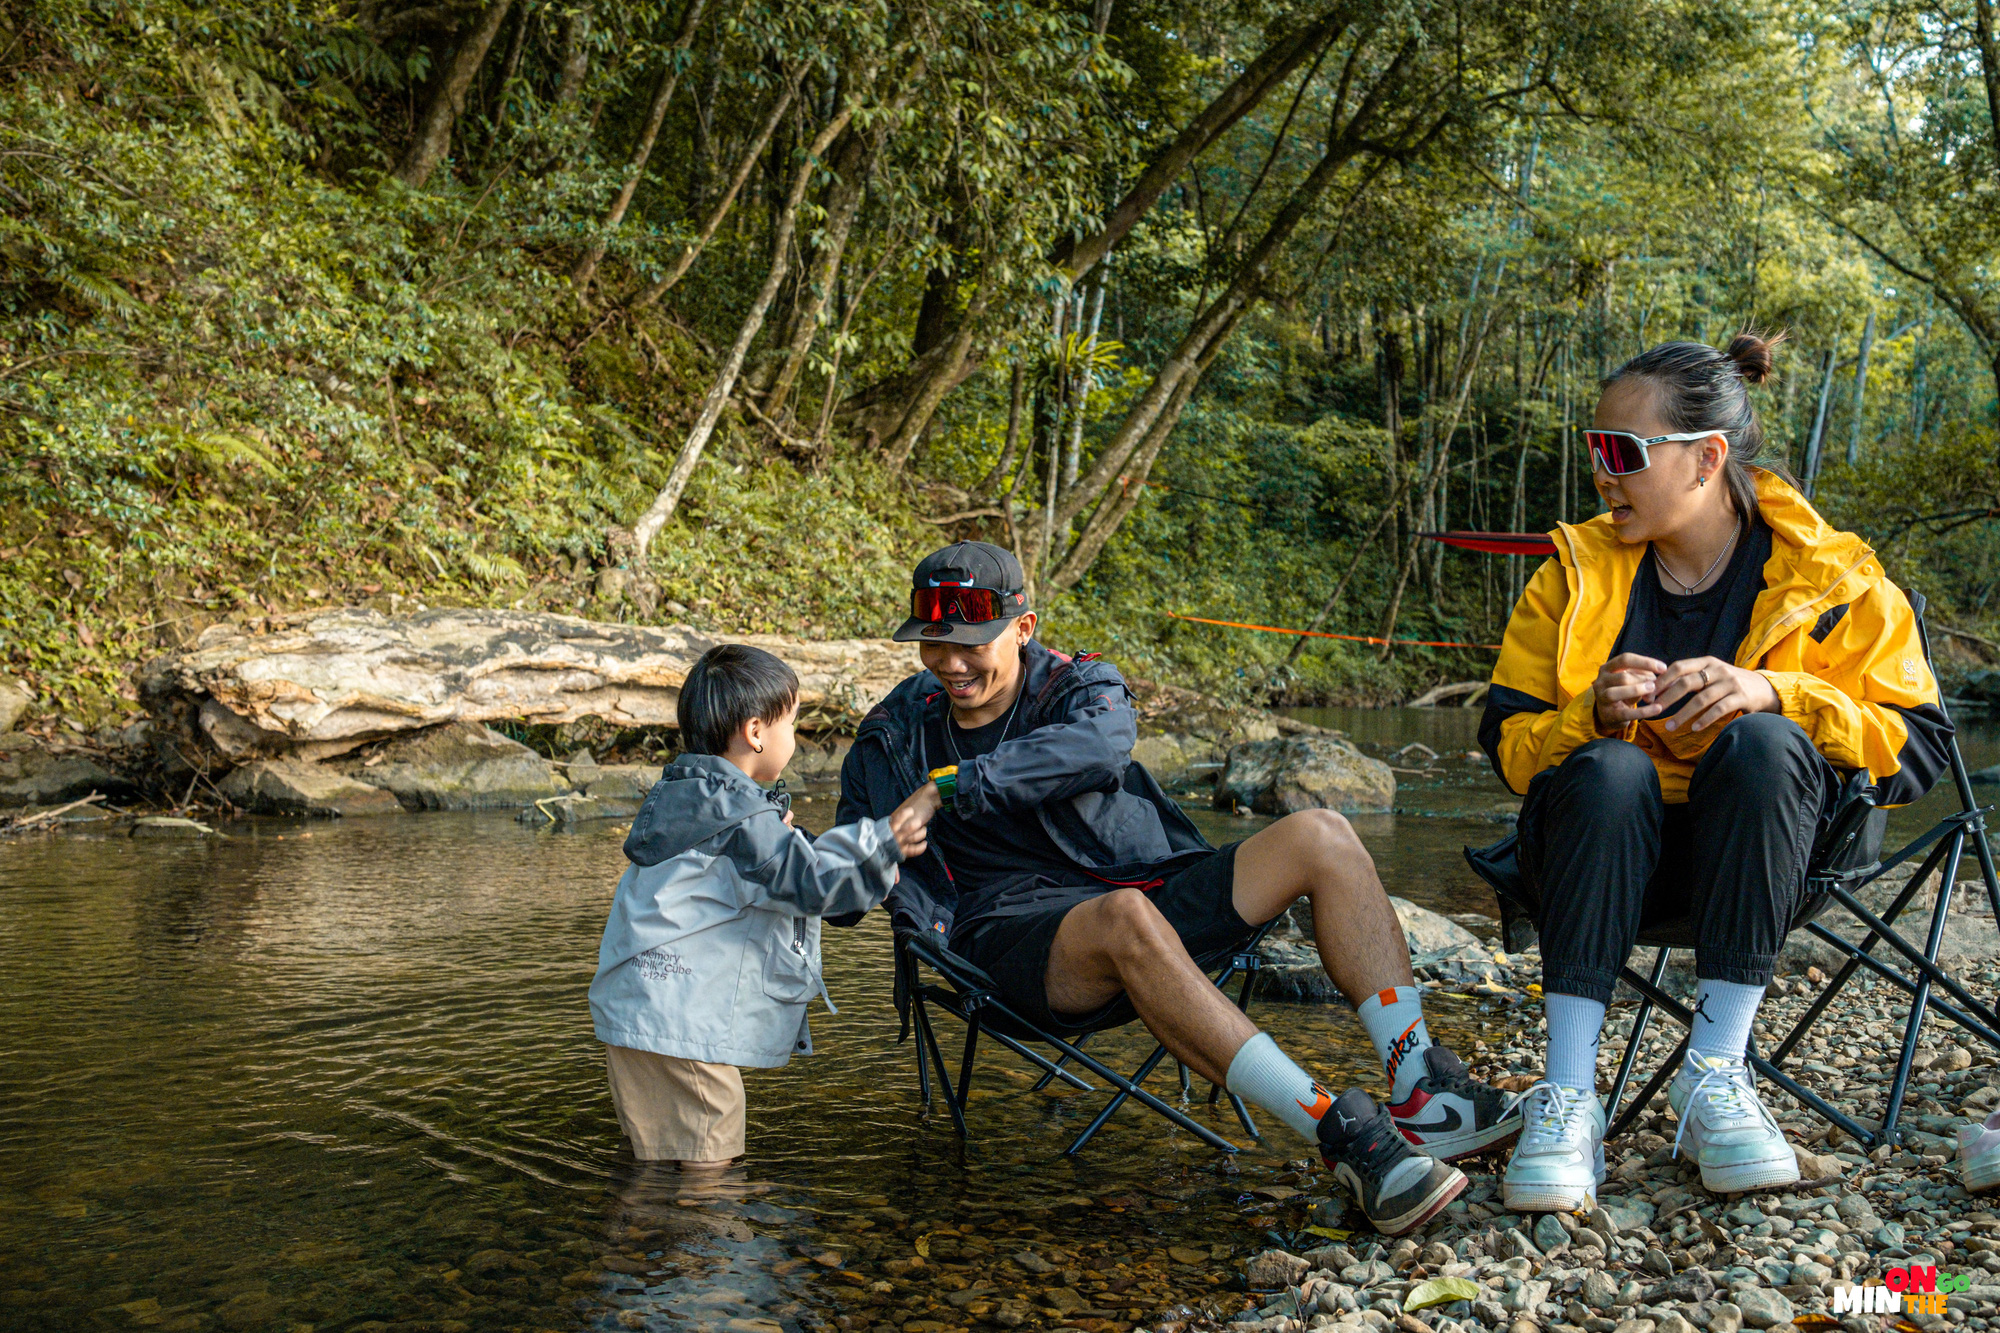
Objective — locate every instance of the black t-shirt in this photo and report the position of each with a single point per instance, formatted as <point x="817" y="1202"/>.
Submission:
<point x="995" y="845"/>
<point x="1710" y="623"/>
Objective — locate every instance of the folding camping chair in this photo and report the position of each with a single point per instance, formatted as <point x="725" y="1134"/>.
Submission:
<point x="971" y="996"/>
<point x="1843" y="862"/>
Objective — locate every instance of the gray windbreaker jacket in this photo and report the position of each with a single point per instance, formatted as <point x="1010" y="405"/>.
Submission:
<point x="712" y="948"/>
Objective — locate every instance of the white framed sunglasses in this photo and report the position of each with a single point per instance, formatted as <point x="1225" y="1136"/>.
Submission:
<point x="1620" y="453"/>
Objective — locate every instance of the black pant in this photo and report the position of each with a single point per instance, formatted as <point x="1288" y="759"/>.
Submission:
<point x="1606" y="856"/>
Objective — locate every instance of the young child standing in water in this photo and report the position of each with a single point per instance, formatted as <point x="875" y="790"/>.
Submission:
<point x="711" y="953"/>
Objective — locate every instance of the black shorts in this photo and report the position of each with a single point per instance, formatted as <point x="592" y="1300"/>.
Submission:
<point x="1197" y="901"/>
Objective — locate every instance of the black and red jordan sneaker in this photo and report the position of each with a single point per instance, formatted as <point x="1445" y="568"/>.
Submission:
<point x="1449" y="1114"/>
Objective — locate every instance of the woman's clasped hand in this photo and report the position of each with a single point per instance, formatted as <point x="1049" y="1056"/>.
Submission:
<point x="1632" y="688"/>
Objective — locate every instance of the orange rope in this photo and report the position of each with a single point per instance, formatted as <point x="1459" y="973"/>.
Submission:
<point x="1321" y="634"/>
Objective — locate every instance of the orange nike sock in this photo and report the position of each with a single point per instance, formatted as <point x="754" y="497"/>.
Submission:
<point x="1265" y="1075"/>
<point x="1395" y="1022"/>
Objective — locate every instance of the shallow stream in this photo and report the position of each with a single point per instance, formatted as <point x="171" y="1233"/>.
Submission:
<point x="341" y="1075"/>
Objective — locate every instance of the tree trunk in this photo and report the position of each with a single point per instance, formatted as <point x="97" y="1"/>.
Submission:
<point x="1016" y="394"/>
<point x="1115" y="509"/>
<point x="851" y="163"/>
<point x="1467" y="368"/>
<point x="1299" y="645"/>
<point x="575" y="56"/>
<point x="1860" y="389"/>
<point x="1989" y="70"/>
<point x="950" y="369"/>
<point x="1073" y="456"/>
<point x="433" y="138"/>
<point x="1819" y="424"/>
<point x="724" y="205"/>
<point x="663" y="505"/>
<point x="1268" y="71"/>
<point x="642" y="151"/>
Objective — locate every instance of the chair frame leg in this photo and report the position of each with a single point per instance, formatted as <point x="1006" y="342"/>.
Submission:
<point x="1247" y="963"/>
<point x="1651" y="1090"/>
<point x="1855" y="958"/>
<point x="928" y="1038"/>
<point x="1043" y="1082"/>
<point x="965" y="1063"/>
<point x="1899" y="1086"/>
<point x="1640" y="1021"/>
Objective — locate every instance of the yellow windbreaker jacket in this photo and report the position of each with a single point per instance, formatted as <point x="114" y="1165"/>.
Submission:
<point x="1833" y="635"/>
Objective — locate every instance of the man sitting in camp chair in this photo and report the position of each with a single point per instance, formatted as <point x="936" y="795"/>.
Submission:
<point x="1059" y="867"/>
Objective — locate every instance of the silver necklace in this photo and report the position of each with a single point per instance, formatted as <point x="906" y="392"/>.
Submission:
<point x="1660" y="560"/>
<point x="951" y="724"/>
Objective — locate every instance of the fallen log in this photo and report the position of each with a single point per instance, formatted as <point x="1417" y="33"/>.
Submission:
<point x="1467" y="692"/>
<point x="22" y="823"/>
<point x="327" y="684"/>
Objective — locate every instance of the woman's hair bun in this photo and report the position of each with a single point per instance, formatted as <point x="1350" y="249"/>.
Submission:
<point x="1751" y="351"/>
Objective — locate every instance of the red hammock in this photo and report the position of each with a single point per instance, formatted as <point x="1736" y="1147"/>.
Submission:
<point x="1497" y="543"/>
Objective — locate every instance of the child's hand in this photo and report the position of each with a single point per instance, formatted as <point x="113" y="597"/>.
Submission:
<point x="907" y="821"/>
<point x="788" y="819"/>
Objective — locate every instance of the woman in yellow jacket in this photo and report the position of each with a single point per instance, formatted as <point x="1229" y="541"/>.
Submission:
<point x="1679" y="692"/>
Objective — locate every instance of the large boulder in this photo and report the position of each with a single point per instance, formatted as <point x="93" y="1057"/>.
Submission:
<point x="294" y="787"/>
<point x="1172" y="757"/>
<point x="328" y="683"/>
<point x="460" y="766"/>
<point x="32" y="774"/>
<point x="14" y="702"/>
<point x="1291" y="773"/>
<point x="1441" y="950"/>
<point x="1980" y="687"/>
<point x="819" y="758"/>
<point x="614" y="782"/>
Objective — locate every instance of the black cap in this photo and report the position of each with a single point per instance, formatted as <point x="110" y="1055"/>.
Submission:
<point x="967" y="564"/>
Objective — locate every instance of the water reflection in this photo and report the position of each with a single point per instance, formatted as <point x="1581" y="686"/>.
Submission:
<point x="342" y="1075"/>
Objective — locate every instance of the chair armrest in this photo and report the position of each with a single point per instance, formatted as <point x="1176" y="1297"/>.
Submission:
<point x="934" y="955"/>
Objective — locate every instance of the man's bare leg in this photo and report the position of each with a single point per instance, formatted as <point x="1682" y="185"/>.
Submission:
<point x="1315" y="854"/>
<point x="1118" y="944"/>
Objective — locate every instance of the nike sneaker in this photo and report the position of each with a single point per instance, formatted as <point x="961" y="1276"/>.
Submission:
<point x="1559" y="1161"/>
<point x="1397" y="1187"/>
<point x="1449" y="1114"/>
<point x="1725" y="1128"/>
<point x="1979" y="1155"/>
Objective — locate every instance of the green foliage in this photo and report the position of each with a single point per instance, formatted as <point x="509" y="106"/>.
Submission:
<point x="244" y="372"/>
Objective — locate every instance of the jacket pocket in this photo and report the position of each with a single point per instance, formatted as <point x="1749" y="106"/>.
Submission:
<point x="789" y="974"/>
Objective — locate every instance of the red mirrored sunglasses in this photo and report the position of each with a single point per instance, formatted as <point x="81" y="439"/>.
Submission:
<point x="1621" y="453"/>
<point x="970" y="605"/>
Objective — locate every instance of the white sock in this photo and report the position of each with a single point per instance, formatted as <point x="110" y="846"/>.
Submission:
<point x="1395" y="1022"/>
<point x="1263" y="1074"/>
<point x="1575" y="1024"/>
<point x="1723" y="1012"/>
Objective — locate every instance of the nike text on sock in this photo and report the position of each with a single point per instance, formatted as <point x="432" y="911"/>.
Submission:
<point x="1575" y="1024"/>
<point x="1723" y="1013"/>
<point x="1265" y="1075"/>
<point x="1395" y="1022"/>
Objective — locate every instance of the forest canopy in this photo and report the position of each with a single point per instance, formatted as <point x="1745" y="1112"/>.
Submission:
<point x="723" y="311"/>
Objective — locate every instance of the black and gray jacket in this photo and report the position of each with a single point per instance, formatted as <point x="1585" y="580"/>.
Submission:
<point x="1071" y="768"/>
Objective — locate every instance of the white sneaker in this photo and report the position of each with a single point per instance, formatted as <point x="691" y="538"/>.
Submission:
<point x="1726" y="1129"/>
<point x="1558" y="1162"/>
<point x="1979" y="1155"/>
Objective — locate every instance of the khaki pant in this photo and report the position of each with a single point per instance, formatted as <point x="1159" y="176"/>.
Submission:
<point x="676" y="1110"/>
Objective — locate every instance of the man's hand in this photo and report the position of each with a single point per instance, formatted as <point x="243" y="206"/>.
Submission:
<point x="1714" y="689"/>
<point x="907" y="821"/>
<point x="1624" y="691"/>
